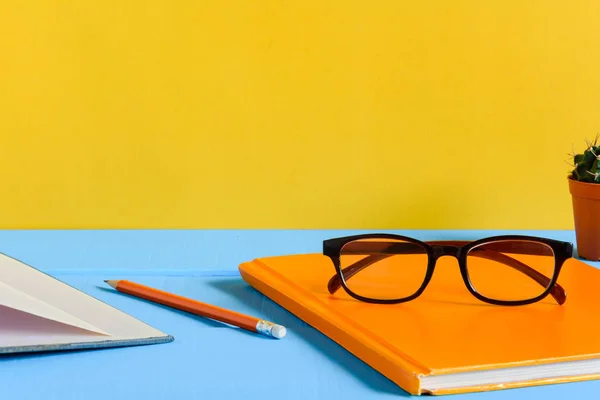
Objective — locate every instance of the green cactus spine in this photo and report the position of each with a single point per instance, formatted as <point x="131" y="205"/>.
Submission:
<point x="586" y="165"/>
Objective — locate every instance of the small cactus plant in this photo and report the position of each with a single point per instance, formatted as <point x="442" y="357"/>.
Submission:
<point x="587" y="165"/>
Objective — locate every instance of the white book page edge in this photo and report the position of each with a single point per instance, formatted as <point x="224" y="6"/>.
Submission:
<point x="18" y="300"/>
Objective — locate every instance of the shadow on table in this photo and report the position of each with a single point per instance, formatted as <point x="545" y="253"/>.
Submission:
<point x="275" y="313"/>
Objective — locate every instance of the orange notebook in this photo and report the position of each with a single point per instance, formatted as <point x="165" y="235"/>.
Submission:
<point x="446" y="341"/>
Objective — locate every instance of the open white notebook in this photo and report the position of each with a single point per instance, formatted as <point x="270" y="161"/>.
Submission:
<point x="41" y="313"/>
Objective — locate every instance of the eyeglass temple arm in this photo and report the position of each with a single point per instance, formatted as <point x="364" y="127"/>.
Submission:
<point x="335" y="282"/>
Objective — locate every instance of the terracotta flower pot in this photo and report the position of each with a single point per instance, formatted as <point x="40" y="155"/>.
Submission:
<point x="586" y="214"/>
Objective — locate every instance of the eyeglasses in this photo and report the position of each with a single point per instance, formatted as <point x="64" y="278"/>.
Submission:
<point x="501" y="270"/>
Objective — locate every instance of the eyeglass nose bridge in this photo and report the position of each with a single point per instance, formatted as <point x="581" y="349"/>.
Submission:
<point x="446" y="250"/>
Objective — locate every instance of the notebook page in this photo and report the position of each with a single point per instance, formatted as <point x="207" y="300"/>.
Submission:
<point x="15" y="299"/>
<point x="79" y="305"/>
<point x="20" y="329"/>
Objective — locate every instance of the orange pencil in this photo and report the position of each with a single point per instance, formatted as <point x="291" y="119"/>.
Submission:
<point x="196" y="307"/>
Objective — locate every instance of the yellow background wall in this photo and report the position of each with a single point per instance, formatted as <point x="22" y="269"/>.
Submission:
<point x="277" y="114"/>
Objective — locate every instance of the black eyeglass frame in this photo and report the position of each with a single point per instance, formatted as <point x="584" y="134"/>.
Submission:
<point x="332" y="248"/>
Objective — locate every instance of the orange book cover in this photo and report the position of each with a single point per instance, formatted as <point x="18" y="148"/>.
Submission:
<point x="446" y="341"/>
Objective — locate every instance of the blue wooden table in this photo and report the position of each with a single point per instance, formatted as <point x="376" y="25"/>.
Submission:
<point x="207" y="360"/>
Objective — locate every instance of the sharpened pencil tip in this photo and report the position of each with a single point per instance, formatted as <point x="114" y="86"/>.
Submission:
<point x="112" y="283"/>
